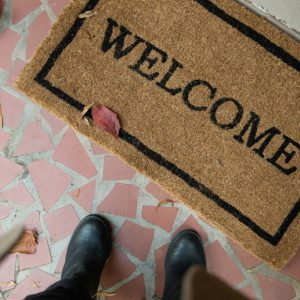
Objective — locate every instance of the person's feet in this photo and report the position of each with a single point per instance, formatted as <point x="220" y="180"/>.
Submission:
<point x="87" y="253"/>
<point x="185" y="250"/>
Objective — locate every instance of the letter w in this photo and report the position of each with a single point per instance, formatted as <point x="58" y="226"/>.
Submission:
<point x="253" y="139"/>
<point x="119" y="40"/>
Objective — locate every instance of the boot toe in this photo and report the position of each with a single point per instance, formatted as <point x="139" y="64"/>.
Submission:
<point x="93" y="232"/>
<point x="185" y="250"/>
<point x="88" y="251"/>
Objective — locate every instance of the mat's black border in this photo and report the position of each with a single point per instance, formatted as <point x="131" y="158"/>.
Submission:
<point x="156" y="157"/>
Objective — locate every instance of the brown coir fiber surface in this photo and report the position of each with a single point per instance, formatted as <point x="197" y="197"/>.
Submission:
<point x="208" y="97"/>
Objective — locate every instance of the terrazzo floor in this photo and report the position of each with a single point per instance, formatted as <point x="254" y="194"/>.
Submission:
<point x="51" y="177"/>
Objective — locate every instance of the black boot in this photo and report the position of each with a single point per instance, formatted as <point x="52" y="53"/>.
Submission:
<point x="185" y="250"/>
<point x="88" y="251"/>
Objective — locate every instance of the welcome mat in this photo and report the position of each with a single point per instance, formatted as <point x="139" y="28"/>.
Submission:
<point x="208" y="97"/>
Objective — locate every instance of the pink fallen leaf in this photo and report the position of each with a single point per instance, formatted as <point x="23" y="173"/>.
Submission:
<point x="27" y="244"/>
<point x="106" y="119"/>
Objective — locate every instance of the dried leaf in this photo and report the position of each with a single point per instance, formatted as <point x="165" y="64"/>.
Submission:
<point x="164" y="202"/>
<point x="9" y="284"/>
<point x="27" y="244"/>
<point x="77" y="194"/>
<point x="105" y="294"/>
<point x="106" y="119"/>
<point x="87" y="14"/>
<point x="1" y="117"/>
<point x="86" y="109"/>
<point x="87" y="121"/>
<point x="35" y="284"/>
<point x="10" y="238"/>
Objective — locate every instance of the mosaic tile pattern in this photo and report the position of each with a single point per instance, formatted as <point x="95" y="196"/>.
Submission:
<point x="50" y="174"/>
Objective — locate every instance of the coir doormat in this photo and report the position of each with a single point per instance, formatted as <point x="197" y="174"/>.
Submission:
<point x="208" y="95"/>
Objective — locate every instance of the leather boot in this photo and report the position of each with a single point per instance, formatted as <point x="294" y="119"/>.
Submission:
<point x="87" y="253"/>
<point x="185" y="250"/>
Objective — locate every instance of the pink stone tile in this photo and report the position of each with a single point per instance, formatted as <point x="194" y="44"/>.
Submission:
<point x="160" y="255"/>
<point x="159" y="193"/>
<point x="9" y="171"/>
<point x="71" y="153"/>
<point x="15" y="71"/>
<point x="49" y="181"/>
<point x="41" y="257"/>
<point x="117" y="269"/>
<point x="273" y="289"/>
<point x="18" y="194"/>
<point x="61" y="261"/>
<point x="37" y="31"/>
<point x="133" y="290"/>
<point x="293" y="267"/>
<point x="8" y="42"/>
<point x="34" y="140"/>
<point x="55" y="124"/>
<point x="5" y="210"/>
<point x="33" y="221"/>
<point x="121" y="201"/>
<point x="97" y="150"/>
<point x="4" y="137"/>
<point x="7" y="272"/>
<point x="128" y="236"/>
<point x="36" y="282"/>
<point x="248" y="291"/>
<point x="84" y="195"/>
<point x="115" y="169"/>
<point x="162" y="216"/>
<point x="191" y="223"/>
<point x="57" y="225"/>
<point x="20" y="9"/>
<point x="12" y="109"/>
<point x="221" y="265"/>
<point x="248" y="260"/>
<point x="58" y="5"/>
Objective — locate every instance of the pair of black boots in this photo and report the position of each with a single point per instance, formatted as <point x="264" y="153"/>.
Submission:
<point x="91" y="244"/>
